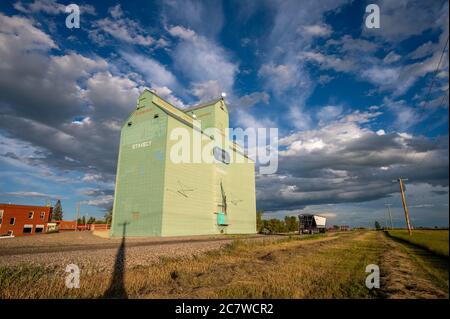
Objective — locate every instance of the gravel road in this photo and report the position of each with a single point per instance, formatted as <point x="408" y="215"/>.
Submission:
<point x="94" y="253"/>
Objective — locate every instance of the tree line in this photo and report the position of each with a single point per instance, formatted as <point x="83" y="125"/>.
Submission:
<point x="274" y="225"/>
<point x="58" y="214"/>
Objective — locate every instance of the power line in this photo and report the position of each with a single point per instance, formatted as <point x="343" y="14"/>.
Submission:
<point x="441" y="104"/>
<point x="427" y="101"/>
<point x="434" y="75"/>
<point x="428" y="95"/>
<point x="430" y="87"/>
<point x="443" y="101"/>
<point x="388" y="206"/>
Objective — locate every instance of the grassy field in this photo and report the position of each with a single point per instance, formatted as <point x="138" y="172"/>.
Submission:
<point x="319" y="266"/>
<point x="435" y="241"/>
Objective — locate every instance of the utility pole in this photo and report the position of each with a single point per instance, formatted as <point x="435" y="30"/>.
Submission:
<point x="390" y="215"/>
<point x="401" y="182"/>
<point x="78" y="215"/>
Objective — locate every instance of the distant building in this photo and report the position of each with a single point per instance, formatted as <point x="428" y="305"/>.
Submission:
<point x="66" y="225"/>
<point x="52" y="227"/>
<point x="100" y="227"/>
<point x="21" y="220"/>
<point x="344" y="228"/>
<point x="310" y="224"/>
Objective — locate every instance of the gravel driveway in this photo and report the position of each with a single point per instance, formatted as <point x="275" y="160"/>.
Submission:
<point x="93" y="253"/>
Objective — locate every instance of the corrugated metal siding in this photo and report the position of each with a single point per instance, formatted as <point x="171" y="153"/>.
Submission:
<point x="188" y="208"/>
<point x="140" y="176"/>
<point x="157" y="197"/>
<point x="195" y="212"/>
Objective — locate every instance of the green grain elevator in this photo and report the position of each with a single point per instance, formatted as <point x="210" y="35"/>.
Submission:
<point x="157" y="196"/>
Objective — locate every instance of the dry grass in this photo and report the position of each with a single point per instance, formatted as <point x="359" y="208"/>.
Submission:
<point x="320" y="267"/>
<point x="409" y="271"/>
<point x="435" y="241"/>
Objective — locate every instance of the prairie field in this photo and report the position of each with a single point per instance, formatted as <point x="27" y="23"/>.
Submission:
<point x="317" y="266"/>
<point x="435" y="241"/>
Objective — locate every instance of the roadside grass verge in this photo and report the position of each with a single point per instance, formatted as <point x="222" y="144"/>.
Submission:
<point x="318" y="266"/>
<point x="411" y="271"/>
<point x="21" y="276"/>
<point x="329" y="269"/>
<point x="435" y="241"/>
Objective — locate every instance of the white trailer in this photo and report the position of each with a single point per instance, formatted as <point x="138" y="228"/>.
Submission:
<point x="311" y="224"/>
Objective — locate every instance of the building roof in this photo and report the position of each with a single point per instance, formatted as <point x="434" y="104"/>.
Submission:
<point x="308" y="215"/>
<point x="199" y="106"/>
<point x="182" y="116"/>
<point x="189" y="108"/>
<point x="24" y="206"/>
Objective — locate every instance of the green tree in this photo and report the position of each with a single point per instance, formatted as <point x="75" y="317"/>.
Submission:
<point x="275" y="225"/>
<point x="91" y="220"/>
<point x="57" y="211"/>
<point x="259" y="221"/>
<point x="108" y="215"/>
<point x="377" y="225"/>
<point x="291" y="223"/>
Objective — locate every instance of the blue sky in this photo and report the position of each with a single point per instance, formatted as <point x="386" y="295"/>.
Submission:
<point x="352" y="105"/>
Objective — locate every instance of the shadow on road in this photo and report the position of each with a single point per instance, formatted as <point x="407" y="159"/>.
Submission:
<point x="116" y="288"/>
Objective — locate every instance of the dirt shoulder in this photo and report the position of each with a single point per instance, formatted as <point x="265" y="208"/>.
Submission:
<point x="95" y="254"/>
<point x="72" y="241"/>
<point x="97" y="243"/>
<point x="410" y="272"/>
<point x="178" y="273"/>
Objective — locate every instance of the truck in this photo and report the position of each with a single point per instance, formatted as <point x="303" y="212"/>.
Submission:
<point x="311" y="224"/>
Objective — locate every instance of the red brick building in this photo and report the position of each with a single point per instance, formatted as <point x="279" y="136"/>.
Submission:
<point x="21" y="220"/>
